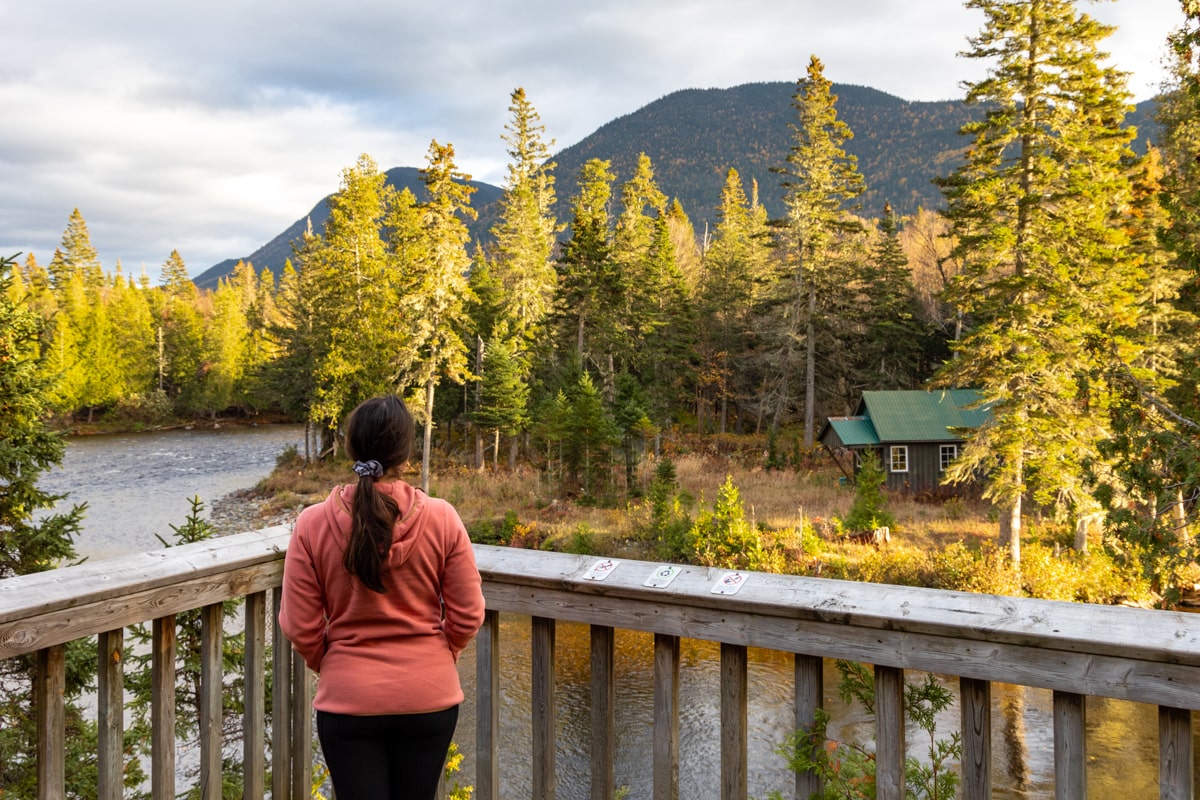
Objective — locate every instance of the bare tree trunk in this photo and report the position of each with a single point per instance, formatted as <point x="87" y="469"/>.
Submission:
<point x="429" y="387"/>
<point x="810" y="373"/>
<point x="1010" y="531"/>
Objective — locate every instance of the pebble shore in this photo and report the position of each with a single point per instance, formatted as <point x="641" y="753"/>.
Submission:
<point x="245" y="510"/>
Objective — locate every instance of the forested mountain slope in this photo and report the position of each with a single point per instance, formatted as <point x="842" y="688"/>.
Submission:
<point x="694" y="136"/>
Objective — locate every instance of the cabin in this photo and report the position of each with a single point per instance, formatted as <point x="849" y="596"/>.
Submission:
<point x="916" y="434"/>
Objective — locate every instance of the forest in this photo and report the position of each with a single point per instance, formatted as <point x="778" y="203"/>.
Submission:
<point x="1059" y="280"/>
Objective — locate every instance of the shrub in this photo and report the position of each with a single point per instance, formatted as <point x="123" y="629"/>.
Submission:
<point x="867" y="513"/>
<point x="725" y="538"/>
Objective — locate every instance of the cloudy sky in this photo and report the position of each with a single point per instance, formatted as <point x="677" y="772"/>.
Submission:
<point x="209" y="127"/>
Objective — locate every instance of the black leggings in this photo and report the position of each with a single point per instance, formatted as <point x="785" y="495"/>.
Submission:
<point x="386" y="757"/>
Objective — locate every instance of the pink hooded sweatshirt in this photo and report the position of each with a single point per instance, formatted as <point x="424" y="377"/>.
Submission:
<point x="391" y="653"/>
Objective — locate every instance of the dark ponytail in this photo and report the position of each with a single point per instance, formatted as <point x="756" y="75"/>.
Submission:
<point x="379" y="436"/>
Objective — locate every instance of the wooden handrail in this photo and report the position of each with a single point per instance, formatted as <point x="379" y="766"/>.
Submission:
<point x="1073" y="649"/>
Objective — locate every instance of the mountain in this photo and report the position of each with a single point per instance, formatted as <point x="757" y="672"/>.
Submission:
<point x="694" y="136"/>
<point x="276" y="252"/>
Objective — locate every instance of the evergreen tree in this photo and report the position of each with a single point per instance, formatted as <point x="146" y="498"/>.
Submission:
<point x="527" y="228"/>
<point x="346" y="320"/>
<point x="28" y="544"/>
<point x="637" y="243"/>
<point x="182" y="322"/>
<point x="890" y="355"/>
<point x="1152" y="492"/>
<point x="1046" y="274"/>
<point x="818" y="181"/>
<point x="435" y="293"/>
<point x="733" y="271"/>
<point x="76" y="256"/>
<point x="503" y="394"/>
<point x="590" y="283"/>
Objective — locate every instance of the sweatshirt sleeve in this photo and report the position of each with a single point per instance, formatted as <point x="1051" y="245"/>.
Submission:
<point x="302" y="609"/>
<point x="462" y="592"/>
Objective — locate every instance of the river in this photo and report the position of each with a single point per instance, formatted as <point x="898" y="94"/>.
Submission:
<point x="137" y="486"/>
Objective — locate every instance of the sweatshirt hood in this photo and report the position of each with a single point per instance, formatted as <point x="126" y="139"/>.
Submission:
<point x="409" y="500"/>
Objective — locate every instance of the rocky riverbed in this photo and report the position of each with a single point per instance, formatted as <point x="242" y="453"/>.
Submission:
<point x="247" y="510"/>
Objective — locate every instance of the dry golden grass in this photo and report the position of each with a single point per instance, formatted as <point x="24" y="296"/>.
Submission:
<point x="778" y="499"/>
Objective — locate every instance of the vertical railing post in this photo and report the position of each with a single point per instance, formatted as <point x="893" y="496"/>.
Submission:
<point x="302" y="723"/>
<point x="544" y="714"/>
<point x="666" y="717"/>
<point x="810" y="689"/>
<point x="889" y="733"/>
<point x="281" y="707"/>
<point x="487" y="708"/>
<point x="212" y="637"/>
<point x="162" y="707"/>
<point x="1175" y="759"/>
<point x="975" y="704"/>
<point x="254" y="713"/>
<point x="110" y="715"/>
<point x="49" y="686"/>
<point x="1070" y="758"/>
<point x="734" y="740"/>
<point x="603" y="712"/>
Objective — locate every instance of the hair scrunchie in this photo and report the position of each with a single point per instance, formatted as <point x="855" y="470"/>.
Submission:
<point x="368" y="469"/>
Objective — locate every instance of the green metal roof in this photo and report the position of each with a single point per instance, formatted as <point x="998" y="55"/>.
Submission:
<point x="853" y="431"/>
<point x="920" y="416"/>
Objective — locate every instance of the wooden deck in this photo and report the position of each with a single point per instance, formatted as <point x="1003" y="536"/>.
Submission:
<point x="1074" y="650"/>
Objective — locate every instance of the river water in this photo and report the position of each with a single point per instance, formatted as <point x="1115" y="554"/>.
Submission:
<point x="137" y="486"/>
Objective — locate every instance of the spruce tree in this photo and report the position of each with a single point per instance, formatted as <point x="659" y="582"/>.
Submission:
<point x="890" y="355"/>
<point x="525" y="233"/>
<point x="819" y="180"/>
<point x="591" y="285"/>
<point x="31" y="541"/>
<point x="731" y="278"/>
<point x="347" y="278"/>
<point x="1046" y="272"/>
<point x="434" y="292"/>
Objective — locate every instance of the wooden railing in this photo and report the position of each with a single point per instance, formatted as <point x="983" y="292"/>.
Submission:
<point x="1074" y="650"/>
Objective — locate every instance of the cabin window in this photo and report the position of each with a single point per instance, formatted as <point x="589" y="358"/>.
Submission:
<point x="899" y="458"/>
<point x="946" y="454"/>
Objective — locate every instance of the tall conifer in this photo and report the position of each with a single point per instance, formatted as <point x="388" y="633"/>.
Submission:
<point x="819" y="179"/>
<point x="1045" y="266"/>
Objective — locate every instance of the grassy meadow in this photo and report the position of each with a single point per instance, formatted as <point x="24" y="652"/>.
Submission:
<point x="789" y="518"/>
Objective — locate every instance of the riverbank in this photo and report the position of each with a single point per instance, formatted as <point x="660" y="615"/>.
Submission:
<point x="794" y="516"/>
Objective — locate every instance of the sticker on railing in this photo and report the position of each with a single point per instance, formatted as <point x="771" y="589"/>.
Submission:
<point x="601" y="570"/>
<point x="729" y="583"/>
<point x="662" y="576"/>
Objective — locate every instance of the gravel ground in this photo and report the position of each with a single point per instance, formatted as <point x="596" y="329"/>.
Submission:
<point x="245" y="510"/>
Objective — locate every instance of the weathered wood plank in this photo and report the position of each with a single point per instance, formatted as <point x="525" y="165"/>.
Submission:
<point x="1175" y="760"/>
<point x="734" y="734"/>
<point x="1035" y="664"/>
<point x="87" y="619"/>
<point x="302" y="723"/>
<point x="1172" y="637"/>
<point x="110" y="714"/>
<point x="212" y="637"/>
<point x="1070" y="753"/>
<point x="96" y="581"/>
<point x="604" y="737"/>
<point x="889" y="733"/>
<point x="810" y="696"/>
<point x="281" y="707"/>
<point x="975" y="707"/>
<point x="487" y="708"/>
<point x="543" y="689"/>
<point x="254" y="740"/>
<point x="162" y="707"/>
<point x="666" y="717"/>
<point x="49" y="686"/>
